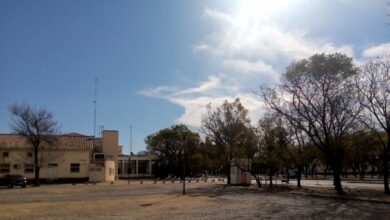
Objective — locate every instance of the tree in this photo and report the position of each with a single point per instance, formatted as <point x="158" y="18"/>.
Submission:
<point x="273" y="144"/>
<point x="226" y="127"/>
<point x="373" y="83"/>
<point x="298" y="142"/>
<point x="248" y="155"/>
<point x="317" y="96"/>
<point x="38" y="127"/>
<point x="168" y="144"/>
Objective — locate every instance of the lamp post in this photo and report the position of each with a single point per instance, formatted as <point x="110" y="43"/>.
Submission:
<point x="183" y="164"/>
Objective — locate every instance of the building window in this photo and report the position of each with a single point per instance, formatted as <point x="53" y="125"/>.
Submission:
<point x="75" y="168"/>
<point x="4" y="167"/>
<point x="5" y="154"/>
<point x="28" y="168"/>
<point x="29" y="154"/>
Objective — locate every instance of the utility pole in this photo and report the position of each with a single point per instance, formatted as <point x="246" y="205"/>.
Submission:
<point x="184" y="144"/>
<point x="130" y="149"/>
<point x="94" y="107"/>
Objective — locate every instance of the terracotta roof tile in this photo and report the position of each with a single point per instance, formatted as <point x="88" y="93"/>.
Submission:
<point x="63" y="142"/>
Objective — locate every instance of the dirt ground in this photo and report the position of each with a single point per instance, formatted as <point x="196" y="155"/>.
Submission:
<point x="164" y="201"/>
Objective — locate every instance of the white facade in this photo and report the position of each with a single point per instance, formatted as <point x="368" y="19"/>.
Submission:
<point x="140" y="165"/>
<point x="239" y="176"/>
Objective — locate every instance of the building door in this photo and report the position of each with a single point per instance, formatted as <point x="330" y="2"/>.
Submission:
<point x="52" y="172"/>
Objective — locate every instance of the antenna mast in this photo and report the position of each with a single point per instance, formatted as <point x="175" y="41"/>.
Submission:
<point x="130" y="146"/>
<point x="131" y="138"/>
<point x="94" y="108"/>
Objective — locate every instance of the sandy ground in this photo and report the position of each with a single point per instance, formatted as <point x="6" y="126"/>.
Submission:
<point x="164" y="201"/>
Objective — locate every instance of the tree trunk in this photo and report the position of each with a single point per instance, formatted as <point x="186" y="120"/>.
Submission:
<point x="386" y="174"/>
<point x="228" y="174"/>
<point x="36" y="167"/>
<point x="306" y="172"/>
<point x="299" y="177"/>
<point x="270" y="179"/>
<point x="257" y="178"/>
<point x="372" y="171"/>
<point x="326" y="170"/>
<point x="336" y="176"/>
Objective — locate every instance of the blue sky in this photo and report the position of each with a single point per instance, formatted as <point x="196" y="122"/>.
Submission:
<point x="161" y="62"/>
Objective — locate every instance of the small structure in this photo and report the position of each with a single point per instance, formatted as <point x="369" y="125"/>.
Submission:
<point x="136" y="165"/>
<point x="103" y="165"/>
<point x="238" y="173"/>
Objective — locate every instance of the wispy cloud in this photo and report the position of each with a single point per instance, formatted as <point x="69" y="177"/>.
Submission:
<point x="377" y="51"/>
<point x="247" y="55"/>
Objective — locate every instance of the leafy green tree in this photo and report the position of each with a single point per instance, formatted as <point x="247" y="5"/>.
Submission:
<point x="227" y="128"/>
<point x="363" y="146"/>
<point x="168" y="144"/>
<point x="273" y="144"/>
<point x="317" y="95"/>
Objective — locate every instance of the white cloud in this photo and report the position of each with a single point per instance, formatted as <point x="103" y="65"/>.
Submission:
<point x="213" y="82"/>
<point x="377" y="51"/>
<point x="200" y="47"/>
<point x="246" y="55"/>
<point x="245" y="66"/>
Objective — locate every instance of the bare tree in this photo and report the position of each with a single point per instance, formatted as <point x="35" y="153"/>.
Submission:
<point x="298" y="141"/>
<point x="38" y="127"/>
<point x="226" y="127"/>
<point x="373" y="84"/>
<point x="316" y="95"/>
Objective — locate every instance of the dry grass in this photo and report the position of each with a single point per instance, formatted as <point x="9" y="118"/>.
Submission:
<point x="164" y="201"/>
<point x="133" y="206"/>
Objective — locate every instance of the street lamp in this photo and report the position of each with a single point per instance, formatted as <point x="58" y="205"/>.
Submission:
<point x="184" y="144"/>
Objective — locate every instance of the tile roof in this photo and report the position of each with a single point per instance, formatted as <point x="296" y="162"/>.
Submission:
<point x="63" y="142"/>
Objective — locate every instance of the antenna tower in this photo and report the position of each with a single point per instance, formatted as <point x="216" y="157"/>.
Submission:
<point x="131" y="138"/>
<point x="94" y="108"/>
<point x="130" y="146"/>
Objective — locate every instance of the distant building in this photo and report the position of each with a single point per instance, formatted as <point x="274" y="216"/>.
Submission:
<point x="73" y="157"/>
<point x="238" y="174"/>
<point x="69" y="158"/>
<point x="136" y="165"/>
<point x="103" y="166"/>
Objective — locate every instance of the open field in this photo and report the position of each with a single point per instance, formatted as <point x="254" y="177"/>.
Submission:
<point x="164" y="201"/>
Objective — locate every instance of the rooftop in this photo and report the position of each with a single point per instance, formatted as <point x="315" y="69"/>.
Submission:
<point x="71" y="141"/>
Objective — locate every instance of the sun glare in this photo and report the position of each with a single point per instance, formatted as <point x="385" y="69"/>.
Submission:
<point x="250" y="11"/>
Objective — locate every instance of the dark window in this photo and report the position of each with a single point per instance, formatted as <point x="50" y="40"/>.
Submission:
<point x="4" y="167"/>
<point x="29" y="154"/>
<point x="28" y="168"/>
<point x="75" y="168"/>
<point x="99" y="156"/>
<point x="5" y="154"/>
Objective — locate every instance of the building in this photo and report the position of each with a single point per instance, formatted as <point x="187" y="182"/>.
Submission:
<point x="74" y="157"/>
<point x="237" y="174"/>
<point x="104" y="160"/>
<point x="140" y="165"/>
<point x="67" y="159"/>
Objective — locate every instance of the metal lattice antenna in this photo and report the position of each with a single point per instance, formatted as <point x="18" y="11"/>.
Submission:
<point x="130" y="148"/>
<point x="131" y="138"/>
<point x="94" y="107"/>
